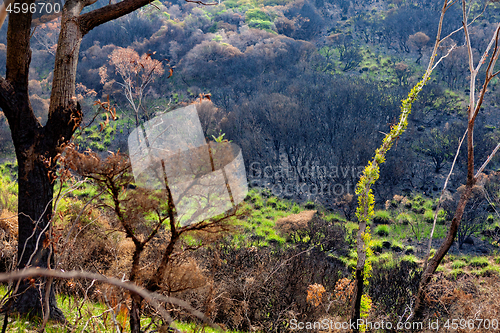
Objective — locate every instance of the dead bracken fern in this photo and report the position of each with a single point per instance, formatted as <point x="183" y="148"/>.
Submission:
<point x="315" y="294"/>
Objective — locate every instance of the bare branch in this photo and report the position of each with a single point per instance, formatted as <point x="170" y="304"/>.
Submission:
<point x="487" y="160"/>
<point x="199" y="2"/>
<point x="90" y="20"/>
<point x="441" y="199"/>
<point x="150" y="297"/>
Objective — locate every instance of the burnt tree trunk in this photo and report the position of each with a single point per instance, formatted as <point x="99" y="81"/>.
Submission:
<point x="359" y="276"/>
<point x="33" y="226"/>
<point x="135" y="311"/>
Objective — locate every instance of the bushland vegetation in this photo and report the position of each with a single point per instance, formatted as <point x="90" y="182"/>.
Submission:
<point x="308" y="89"/>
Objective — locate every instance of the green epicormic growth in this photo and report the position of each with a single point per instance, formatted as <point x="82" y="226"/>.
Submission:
<point x="366" y="200"/>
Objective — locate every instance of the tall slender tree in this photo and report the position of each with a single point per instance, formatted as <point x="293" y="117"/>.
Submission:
<point x="37" y="145"/>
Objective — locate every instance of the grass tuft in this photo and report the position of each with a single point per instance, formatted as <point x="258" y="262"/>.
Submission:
<point x="479" y="262"/>
<point x="382" y="230"/>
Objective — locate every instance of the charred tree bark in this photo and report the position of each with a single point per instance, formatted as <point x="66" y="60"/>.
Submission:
<point x="135" y="312"/>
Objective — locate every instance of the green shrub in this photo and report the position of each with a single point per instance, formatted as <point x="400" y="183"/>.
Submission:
<point x="418" y="199"/>
<point x="479" y="262"/>
<point x="417" y="209"/>
<point x="295" y="209"/>
<point x="387" y="259"/>
<point x="382" y="230"/>
<point x="256" y="15"/>
<point x="8" y="193"/>
<point x="383" y="257"/>
<point x="262" y="25"/>
<point x="257" y="201"/>
<point x="276" y="2"/>
<point x="476" y="272"/>
<point x="441" y="217"/>
<point x="231" y="3"/>
<point x="497" y="260"/>
<point x="428" y="204"/>
<point x="382" y="217"/>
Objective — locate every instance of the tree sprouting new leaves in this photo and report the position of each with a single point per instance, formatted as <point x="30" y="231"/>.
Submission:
<point x="366" y="200"/>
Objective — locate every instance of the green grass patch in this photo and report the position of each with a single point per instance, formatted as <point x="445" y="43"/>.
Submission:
<point x="377" y="245"/>
<point x="382" y="217"/>
<point x="383" y="258"/>
<point x="410" y="249"/>
<point x="95" y="317"/>
<point x="404" y="218"/>
<point x="397" y="246"/>
<point x="429" y="216"/>
<point x="456" y="273"/>
<point x="350" y="227"/>
<point x="458" y="264"/>
<point x="490" y="271"/>
<point x="334" y="217"/>
<point x="382" y="230"/>
<point x="410" y="258"/>
<point x="479" y="262"/>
